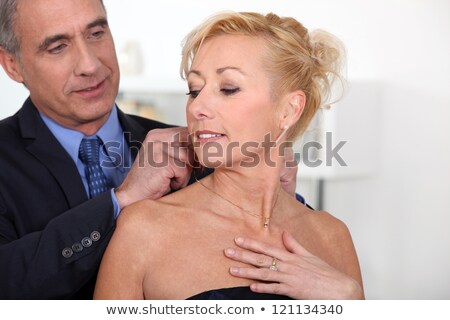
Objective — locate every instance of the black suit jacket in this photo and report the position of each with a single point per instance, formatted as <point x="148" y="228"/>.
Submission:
<point x="44" y="210"/>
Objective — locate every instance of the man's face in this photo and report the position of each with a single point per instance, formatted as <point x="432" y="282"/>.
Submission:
<point x="68" y="61"/>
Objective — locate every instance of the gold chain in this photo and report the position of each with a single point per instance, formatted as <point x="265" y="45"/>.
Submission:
<point x="266" y="219"/>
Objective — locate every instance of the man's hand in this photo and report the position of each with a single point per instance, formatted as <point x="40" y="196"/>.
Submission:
<point x="288" y="176"/>
<point x="164" y="163"/>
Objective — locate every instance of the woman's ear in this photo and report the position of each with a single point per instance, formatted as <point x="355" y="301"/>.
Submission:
<point x="293" y="108"/>
<point x="11" y="65"/>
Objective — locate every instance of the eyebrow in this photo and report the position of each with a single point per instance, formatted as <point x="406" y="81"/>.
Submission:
<point x="218" y="71"/>
<point x="222" y="70"/>
<point x="102" y="22"/>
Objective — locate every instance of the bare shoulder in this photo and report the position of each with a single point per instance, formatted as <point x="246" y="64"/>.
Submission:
<point x="336" y="243"/>
<point x="133" y="222"/>
<point x="320" y="225"/>
<point x="137" y="213"/>
<point x="123" y="265"/>
<point x="329" y="227"/>
<point x="320" y="232"/>
<point x="332" y="233"/>
<point x="144" y="219"/>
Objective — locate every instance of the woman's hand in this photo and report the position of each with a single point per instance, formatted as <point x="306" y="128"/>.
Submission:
<point x="292" y="271"/>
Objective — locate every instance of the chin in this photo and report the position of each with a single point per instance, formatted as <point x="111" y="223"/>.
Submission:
<point x="212" y="162"/>
<point x="94" y="114"/>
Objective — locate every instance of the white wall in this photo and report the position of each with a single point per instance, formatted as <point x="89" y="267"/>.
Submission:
<point x="12" y="95"/>
<point x="399" y="216"/>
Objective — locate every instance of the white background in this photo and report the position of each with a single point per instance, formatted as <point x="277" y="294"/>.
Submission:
<point x="399" y="215"/>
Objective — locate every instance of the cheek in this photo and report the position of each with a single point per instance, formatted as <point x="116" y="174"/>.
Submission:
<point x="107" y="53"/>
<point x="112" y="63"/>
<point x="43" y="82"/>
<point x="259" y="119"/>
<point x="50" y="76"/>
<point x="189" y="118"/>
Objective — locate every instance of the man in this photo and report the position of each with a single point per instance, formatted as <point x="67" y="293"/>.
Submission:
<point x="52" y="231"/>
<point x="55" y="217"/>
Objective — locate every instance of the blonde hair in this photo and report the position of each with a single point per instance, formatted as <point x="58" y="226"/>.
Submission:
<point x="295" y="58"/>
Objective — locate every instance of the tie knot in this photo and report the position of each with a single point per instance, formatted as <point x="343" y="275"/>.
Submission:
<point x="89" y="152"/>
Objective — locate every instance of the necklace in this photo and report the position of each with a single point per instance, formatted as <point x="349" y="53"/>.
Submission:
<point x="266" y="219"/>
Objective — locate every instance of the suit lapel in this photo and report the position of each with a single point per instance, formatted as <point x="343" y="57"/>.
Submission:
<point x="44" y="146"/>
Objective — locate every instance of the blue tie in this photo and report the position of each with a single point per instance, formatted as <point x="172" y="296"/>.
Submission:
<point x="90" y="156"/>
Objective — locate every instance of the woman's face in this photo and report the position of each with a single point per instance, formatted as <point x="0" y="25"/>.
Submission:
<point x="230" y="111"/>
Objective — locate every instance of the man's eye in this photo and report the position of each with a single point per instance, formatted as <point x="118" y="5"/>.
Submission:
<point x="230" y="91"/>
<point x="57" y="49"/>
<point x="98" y="34"/>
<point x="193" y="93"/>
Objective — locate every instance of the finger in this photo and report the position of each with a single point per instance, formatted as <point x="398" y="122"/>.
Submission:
<point x="288" y="154"/>
<point x="185" y="135"/>
<point x="273" y="288"/>
<point x="289" y="159"/>
<point x="191" y="156"/>
<point x="181" y="178"/>
<point x="178" y="170"/>
<point x="261" y="247"/>
<point x="288" y="175"/>
<point x="261" y="274"/>
<point x="180" y="157"/>
<point x="249" y="257"/>
<point x="168" y="135"/>
<point x="182" y="138"/>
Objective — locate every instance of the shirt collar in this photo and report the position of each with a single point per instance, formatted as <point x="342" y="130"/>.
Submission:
<point x="111" y="131"/>
<point x="70" y="139"/>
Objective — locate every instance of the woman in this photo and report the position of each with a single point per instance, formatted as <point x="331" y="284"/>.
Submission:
<point x="254" y="82"/>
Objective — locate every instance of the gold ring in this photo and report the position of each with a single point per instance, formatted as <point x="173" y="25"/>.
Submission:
<point x="274" y="265"/>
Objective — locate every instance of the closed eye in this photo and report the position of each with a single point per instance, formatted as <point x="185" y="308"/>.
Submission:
<point x="57" y="49"/>
<point x="229" y="92"/>
<point x="193" y="93"/>
<point x="97" y="34"/>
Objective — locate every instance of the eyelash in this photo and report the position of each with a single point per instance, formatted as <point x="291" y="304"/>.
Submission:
<point x="98" y="34"/>
<point x="228" y="92"/>
<point x="193" y="93"/>
<point x="57" y="49"/>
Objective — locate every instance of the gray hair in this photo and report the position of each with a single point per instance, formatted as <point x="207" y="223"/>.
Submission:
<point x="8" y="38"/>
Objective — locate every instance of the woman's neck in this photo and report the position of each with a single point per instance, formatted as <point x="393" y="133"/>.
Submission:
<point x="250" y="191"/>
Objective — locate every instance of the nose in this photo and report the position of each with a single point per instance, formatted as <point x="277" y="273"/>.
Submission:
<point x="201" y="107"/>
<point x="87" y="61"/>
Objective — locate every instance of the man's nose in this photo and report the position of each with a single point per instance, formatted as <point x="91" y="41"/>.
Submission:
<point x="87" y="61"/>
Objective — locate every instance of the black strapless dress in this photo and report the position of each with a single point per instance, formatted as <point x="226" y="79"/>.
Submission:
<point x="236" y="293"/>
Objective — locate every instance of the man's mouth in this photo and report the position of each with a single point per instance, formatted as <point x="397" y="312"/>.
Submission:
<point x="94" y="91"/>
<point x="91" y="88"/>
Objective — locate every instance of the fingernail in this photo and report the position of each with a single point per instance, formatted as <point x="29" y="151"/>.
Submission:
<point x="234" y="270"/>
<point x="230" y="252"/>
<point x="239" y="240"/>
<point x="254" y="287"/>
